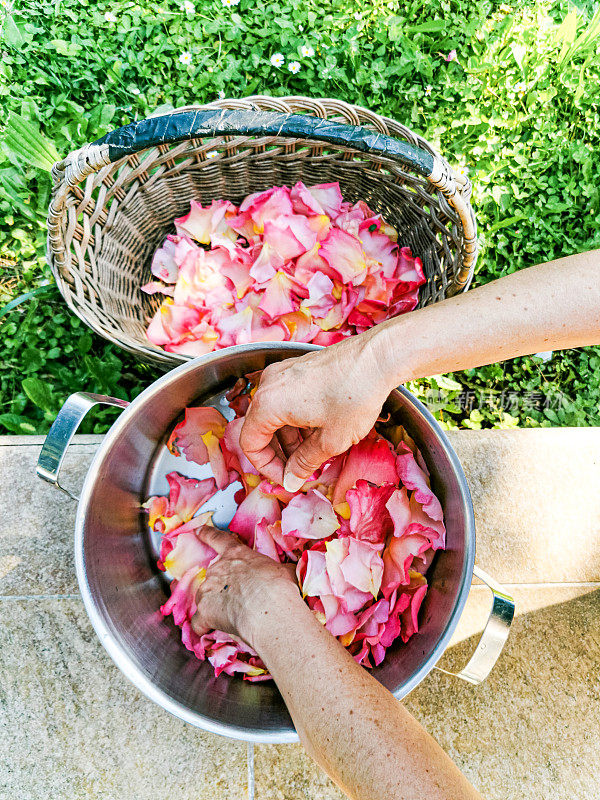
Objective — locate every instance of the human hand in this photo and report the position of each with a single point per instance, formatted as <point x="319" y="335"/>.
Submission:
<point x="333" y="396"/>
<point x="240" y="585"/>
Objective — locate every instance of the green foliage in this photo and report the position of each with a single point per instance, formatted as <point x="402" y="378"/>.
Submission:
<point x="49" y="353"/>
<point x="23" y="139"/>
<point x="518" y="109"/>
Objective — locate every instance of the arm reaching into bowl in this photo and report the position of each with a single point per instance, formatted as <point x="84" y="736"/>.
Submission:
<point x="365" y="740"/>
<point x="335" y="395"/>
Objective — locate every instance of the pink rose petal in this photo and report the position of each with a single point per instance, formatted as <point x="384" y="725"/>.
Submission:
<point x="413" y="477"/>
<point x="323" y="198"/>
<point x="231" y="440"/>
<point x="371" y="459"/>
<point x="410" y="617"/>
<point x="344" y="254"/>
<point x="266" y="264"/>
<point x="369" y="517"/>
<point x="315" y="581"/>
<point x="289" y="237"/>
<point x="263" y="540"/>
<point x="257" y="506"/>
<point x="164" y="266"/>
<point x="310" y="516"/>
<point x="398" y="557"/>
<point x="186" y="438"/>
<point x="188" y="551"/>
<point x="172" y="323"/>
<point x="186" y="496"/>
<point x="363" y="567"/>
<point x="208" y="225"/>
<point x="277" y="299"/>
<point x="265" y="206"/>
<point x="320" y="299"/>
<point x="156" y="287"/>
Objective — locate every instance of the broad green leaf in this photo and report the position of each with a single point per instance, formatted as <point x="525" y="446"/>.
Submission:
<point x="39" y="393"/>
<point x="65" y="48"/>
<point x="588" y="39"/>
<point x="165" y="108"/>
<point x="23" y="138"/>
<point x="432" y="26"/>
<point x="518" y="50"/>
<point x="11" y="32"/>
<point x="504" y="223"/>
<point x="566" y="33"/>
<point x="108" y="112"/>
<point x="16" y="424"/>
<point x="11" y="192"/>
<point x="32" y="358"/>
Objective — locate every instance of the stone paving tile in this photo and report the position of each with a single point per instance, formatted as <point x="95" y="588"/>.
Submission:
<point x="73" y="728"/>
<point x="530" y="731"/>
<point x="37" y="521"/>
<point x="285" y="772"/>
<point x="537" y="508"/>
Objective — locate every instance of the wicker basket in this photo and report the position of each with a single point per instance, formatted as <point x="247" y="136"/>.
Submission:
<point x="115" y="200"/>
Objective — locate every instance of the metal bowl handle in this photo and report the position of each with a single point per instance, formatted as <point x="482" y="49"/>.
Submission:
<point x="494" y="634"/>
<point x="62" y="431"/>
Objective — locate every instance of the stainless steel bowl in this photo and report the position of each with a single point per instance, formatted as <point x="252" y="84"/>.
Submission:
<point x="122" y="588"/>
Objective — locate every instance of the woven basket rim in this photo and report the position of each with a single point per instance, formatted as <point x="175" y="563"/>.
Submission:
<point x="73" y="170"/>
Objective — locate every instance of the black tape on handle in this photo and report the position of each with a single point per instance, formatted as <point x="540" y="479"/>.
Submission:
<point x="178" y="127"/>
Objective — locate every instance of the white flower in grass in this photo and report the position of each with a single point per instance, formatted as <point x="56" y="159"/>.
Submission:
<point x="306" y="51"/>
<point x="189" y="7"/>
<point x="277" y="60"/>
<point x="520" y="88"/>
<point x="229" y="3"/>
<point x="212" y="154"/>
<point x="294" y="67"/>
<point x="185" y="58"/>
<point x="428" y="89"/>
<point x="221" y="95"/>
<point x="110" y="17"/>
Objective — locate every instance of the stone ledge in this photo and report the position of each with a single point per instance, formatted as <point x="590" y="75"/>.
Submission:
<point x="533" y="492"/>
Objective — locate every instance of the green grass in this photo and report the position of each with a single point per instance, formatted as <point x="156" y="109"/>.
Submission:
<point x="518" y="108"/>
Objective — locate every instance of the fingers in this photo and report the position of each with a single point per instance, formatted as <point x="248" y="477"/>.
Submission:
<point x="277" y="448"/>
<point x="256" y="440"/>
<point x="289" y="438"/>
<point x="308" y="457"/>
<point x="216" y="538"/>
<point x="198" y="626"/>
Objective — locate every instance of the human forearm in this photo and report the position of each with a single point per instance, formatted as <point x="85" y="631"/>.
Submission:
<point x="547" y="307"/>
<point x="365" y="740"/>
<point x="337" y="393"/>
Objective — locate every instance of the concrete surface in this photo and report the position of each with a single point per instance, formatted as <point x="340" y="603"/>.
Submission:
<point x="71" y="726"/>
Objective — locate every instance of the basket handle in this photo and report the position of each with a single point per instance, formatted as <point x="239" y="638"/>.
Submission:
<point x="192" y="123"/>
<point x="196" y="123"/>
